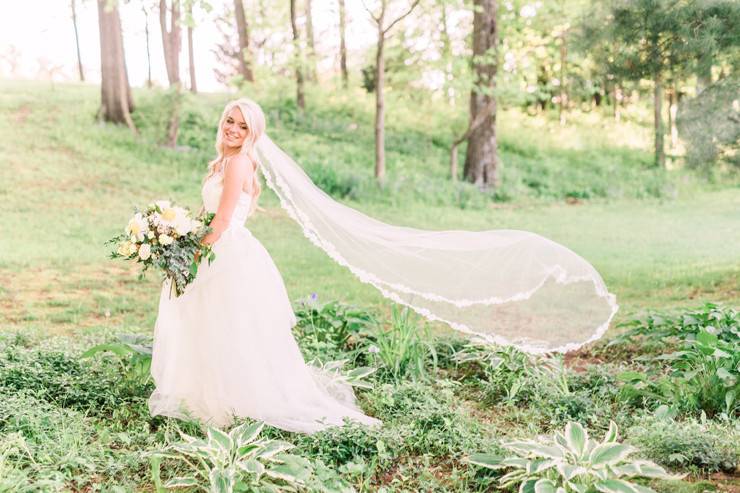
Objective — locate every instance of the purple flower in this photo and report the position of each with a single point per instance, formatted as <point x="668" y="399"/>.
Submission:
<point x="314" y="296"/>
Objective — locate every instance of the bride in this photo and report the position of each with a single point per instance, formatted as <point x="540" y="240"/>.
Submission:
<point x="224" y="348"/>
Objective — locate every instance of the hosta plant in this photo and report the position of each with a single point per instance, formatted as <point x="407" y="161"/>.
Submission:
<point x="354" y="377"/>
<point x="571" y="462"/>
<point x="236" y="461"/>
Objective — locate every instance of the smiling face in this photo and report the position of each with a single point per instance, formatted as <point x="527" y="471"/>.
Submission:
<point x="234" y="129"/>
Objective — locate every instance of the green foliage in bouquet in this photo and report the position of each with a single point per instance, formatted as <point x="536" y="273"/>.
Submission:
<point x="167" y="237"/>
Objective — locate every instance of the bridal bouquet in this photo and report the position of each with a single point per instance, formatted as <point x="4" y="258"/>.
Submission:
<point x="167" y="237"/>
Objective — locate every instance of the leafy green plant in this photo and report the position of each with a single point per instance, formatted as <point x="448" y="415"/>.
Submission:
<point x="331" y="322"/>
<point x="236" y="461"/>
<point x="135" y="351"/>
<point x="571" y="462"/>
<point x="354" y="377"/>
<point x="724" y="322"/>
<point x="702" y="445"/>
<point x="404" y="349"/>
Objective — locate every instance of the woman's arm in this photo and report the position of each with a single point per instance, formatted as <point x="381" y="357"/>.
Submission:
<point x="237" y="173"/>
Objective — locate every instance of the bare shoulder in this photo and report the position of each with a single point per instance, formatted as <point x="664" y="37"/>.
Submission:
<point x="241" y="162"/>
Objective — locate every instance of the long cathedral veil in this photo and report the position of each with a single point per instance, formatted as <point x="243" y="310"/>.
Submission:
<point x="505" y="286"/>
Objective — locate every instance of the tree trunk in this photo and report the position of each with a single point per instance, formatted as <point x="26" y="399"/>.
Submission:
<point x="658" y="120"/>
<point x="343" y="44"/>
<point x="563" y="91"/>
<point x="242" y="26"/>
<point x="148" y="51"/>
<point x="617" y="103"/>
<point x="171" y="39"/>
<point x="481" y="159"/>
<point x="298" y="59"/>
<point x="704" y="73"/>
<point x="447" y="57"/>
<point x="77" y="41"/>
<point x="116" y="100"/>
<point x="311" y="69"/>
<point x="380" y="104"/>
<point x="672" y="113"/>
<point x="191" y="56"/>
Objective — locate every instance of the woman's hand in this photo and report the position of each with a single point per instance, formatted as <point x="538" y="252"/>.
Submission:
<point x="210" y="238"/>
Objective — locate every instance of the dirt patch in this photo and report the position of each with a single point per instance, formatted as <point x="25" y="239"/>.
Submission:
<point x="21" y="114"/>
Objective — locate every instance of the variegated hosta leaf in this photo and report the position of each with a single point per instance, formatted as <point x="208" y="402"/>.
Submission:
<point x="515" y="462"/>
<point x="536" y="466"/>
<point x="248" y="450"/>
<point x="569" y="471"/>
<point x="273" y="447"/>
<point x="535" y="449"/>
<point x="652" y="470"/>
<point x="245" y="433"/>
<point x="294" y="469"/>
<point x="545" y="486"/>
<point x="577" y="487"/>
<point x="220" y="439"/>
<point x="222" y="480"/>
<point x="252" y="466"/>
<point x="527" y="486"/>
<point x="615" y="486"/>
<point x="611" y="434"/>
<point x="609" y="453"/>
<point x="512" y="477"/>
<point x="576" y="438"/>
<point x="643" y="489"/>
<point x="181" y="482"/>
<point x="490" y="461"/>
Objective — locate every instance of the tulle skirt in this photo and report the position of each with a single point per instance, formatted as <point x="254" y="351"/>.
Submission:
<point x="224" y="348"/>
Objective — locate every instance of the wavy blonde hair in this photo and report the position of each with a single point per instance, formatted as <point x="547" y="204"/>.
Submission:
<point x="255" y="120"/>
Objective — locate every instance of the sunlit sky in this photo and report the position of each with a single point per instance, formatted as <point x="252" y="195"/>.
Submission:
<point x="41" y="34"/>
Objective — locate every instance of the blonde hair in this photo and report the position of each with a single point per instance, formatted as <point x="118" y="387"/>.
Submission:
<point x="255" y="120"/>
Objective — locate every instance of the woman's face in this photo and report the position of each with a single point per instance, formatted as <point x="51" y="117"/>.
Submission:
<point x="234" y="128"/>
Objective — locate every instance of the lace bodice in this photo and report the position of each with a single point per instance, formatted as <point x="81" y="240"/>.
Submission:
<point x="211" y="194"/>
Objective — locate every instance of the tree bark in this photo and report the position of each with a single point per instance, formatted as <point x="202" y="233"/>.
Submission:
<point x="311" y="68"/>
<point x="380" y="102"/>
<point x="563" y="90"/>
<point x="171" y="39"/>
<point x="481" y="159"/>
<point x="191" y="55"/>
<point x="380" y="84"/>
<point x="77" y="41"/>
<point x="242" y="26"/>
<point x="658" y="120"/>
<point x="148" y="50"/>
<point x="343" y="44"/>
<point x="298" y="59"/>
<point x="116" y="100"/>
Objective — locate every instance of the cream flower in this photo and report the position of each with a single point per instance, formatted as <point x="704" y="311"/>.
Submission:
<point x="136" y="227"/>
<point x="145" y="251"/>
<point x="166" y="239"/>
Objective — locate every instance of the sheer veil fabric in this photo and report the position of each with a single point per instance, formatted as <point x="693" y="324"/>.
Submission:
<point x="504" y="286"/>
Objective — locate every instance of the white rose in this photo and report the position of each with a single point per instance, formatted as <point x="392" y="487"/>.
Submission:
<point x="166" y="239"/>
<point x="150" y="235"/>
<point x="145" y="251"/>
<point x="183" y="226"/>
<point x="131" y="248"/>
<point x="136" y="227"/>
<point x="123" y="249"/>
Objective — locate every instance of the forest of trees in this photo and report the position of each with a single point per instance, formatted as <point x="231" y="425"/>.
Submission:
<point x="559" y="55"/>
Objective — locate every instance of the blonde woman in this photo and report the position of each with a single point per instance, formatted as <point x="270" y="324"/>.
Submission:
<point x="224" y="348"/>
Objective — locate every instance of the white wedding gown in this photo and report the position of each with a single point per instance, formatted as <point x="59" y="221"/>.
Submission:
<point x="224" y="348"/>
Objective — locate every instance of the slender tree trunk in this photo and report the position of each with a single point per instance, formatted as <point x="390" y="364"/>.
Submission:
<point x="563" y="89"/>
<point x="617" y="103"/>
<point x="380" y="84"/>
<point x="191" y="55"/>
<point x="242" y="26"/>
<point x="447" y="57"/>
<point x="672" y="113"/>
<point x="343" y="44"/>
<point x="311" y="68"/>
<point x="481" y="159"/>
<point x="148" y="50"/>
<point x="298" y="59"/>
<point x="116" y="100"/>
<point x="171" y="39"/>
<point x="658" y="120"/>
<point x="380" y="103"/>
<point x="77" y="41"/>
